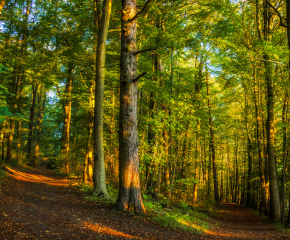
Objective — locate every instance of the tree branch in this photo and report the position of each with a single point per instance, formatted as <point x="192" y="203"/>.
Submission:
<point x="279" y="15"/>
<point x="145" y="50"/>
<point x="137" y="15"/>
<point x="137" y="78"/>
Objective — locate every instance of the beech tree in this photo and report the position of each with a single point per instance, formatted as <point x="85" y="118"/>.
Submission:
<point x="129" y="180"/>
<point x="99" y="161"/>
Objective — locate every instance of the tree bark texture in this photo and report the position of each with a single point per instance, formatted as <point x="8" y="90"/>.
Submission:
<point x="88" y="165"/>
<point x="67" y="118"/>
<point x="274" y="191"/>
<point x="41" y="106"/>
<point x="283" y="183"/>
<point x="31" y="124"/>
<point x="264" y="198"/>
<point x="212" y="149"/>
<point x="129" y="197"/>
<point x="99" y="176"/>
<point x="12" y="121"/>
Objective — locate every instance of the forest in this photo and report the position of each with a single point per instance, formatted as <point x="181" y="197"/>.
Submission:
<point x="180" y="101"/>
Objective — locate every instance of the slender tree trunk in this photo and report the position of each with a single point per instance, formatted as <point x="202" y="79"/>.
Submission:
<point x="41" y="106"/>
<point x="31" y="124"/>
<point x="129" y="178"/>
<point x="212" y="146"/>
<point x="285" y="141"/>
<point x="67" y="118"/>
<point x="284" y="121"/>
<point x="237" y="172"/>
<point x="20" y="70"/>
<point x="12" y="121"/>
<point x="274" y="191"/>
<point x="19" y="143"/>
<point x="99" y="176"/>
<point x="264" y="199"/>
<point x="88" y="165"/>
<point x="197" y="156"/>
<point x="19" y="140"/>
<point x="2" y="140"/>
<point x="151" y="134"/>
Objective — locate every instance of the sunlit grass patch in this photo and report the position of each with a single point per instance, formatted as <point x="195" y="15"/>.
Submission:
<point x="88" y="190"/>
<point x="182" y="217"/>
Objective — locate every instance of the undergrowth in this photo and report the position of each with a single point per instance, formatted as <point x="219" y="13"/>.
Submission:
<point x="2" y="174"/>
<point x="180" y="216"/>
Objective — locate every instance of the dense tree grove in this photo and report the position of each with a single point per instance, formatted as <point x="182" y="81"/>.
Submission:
<point x="182" y="101"/>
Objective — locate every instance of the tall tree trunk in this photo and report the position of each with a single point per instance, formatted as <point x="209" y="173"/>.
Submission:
<point x="237" y="171"/>
<point x="2" y="140"/>
<point x="67" y="118"/>
<point x="212" y="148"/>
<point x="264" y="199"/>
<point x="12" y="121"/>
<point x="129" y="178"/>
<point x="274" y="191"/>
<point x="197" y="157"/>
<point x="152" y="134"/>
<point x="284" y="121"/>
<point x="88" y="164"/>
<point x="99" y="176"/>
<point x="284" y="156"/>
<point x="31" y="124"/>
<point x="19" y="140"/>
<point x="41" y="106"/>
<point x="250" y="174"/>
<point x="20" y="70"/>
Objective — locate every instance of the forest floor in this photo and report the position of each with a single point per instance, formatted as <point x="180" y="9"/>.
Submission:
<point x="37" y="204"/>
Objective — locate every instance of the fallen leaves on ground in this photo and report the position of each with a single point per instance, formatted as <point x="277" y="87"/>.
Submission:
<point x="38" y="205"/>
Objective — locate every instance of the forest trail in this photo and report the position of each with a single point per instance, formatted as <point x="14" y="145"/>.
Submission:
<point x="38" y="205"/>
<point x="238" y="222"/>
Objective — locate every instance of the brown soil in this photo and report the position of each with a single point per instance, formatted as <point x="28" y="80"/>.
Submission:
<point x="238" y="222"/>
<point x="38" y="205"/>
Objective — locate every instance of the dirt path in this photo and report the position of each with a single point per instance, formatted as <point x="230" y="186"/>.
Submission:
<point x="238" y="222"/>
<point x="38" y="205"/>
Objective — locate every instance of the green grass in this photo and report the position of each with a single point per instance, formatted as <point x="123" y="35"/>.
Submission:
<point x="181" y="216"/>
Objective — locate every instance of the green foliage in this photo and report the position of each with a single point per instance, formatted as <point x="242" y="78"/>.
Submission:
<point x="87" y="188"/>
<point x="182" y="217"/>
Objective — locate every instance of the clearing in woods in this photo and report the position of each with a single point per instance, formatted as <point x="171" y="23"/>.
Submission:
<point x="38" y="205"/>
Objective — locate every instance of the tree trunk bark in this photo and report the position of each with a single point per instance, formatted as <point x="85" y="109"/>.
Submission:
<point x="88" y="165"/>
<point x="129" y="179"/>
<point x="12" y="121"/>
<point x="41" y="106"/>
<point x="67" y="118"/>
<point x="264" y="199"/>
<point x="31" y="159"/>
<point x="212" y="146"/>
<point x="2" y="140"/>
<point x="274" y="191"/>
<point x="152" y="135"/>
<point x="99" y="176"/>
